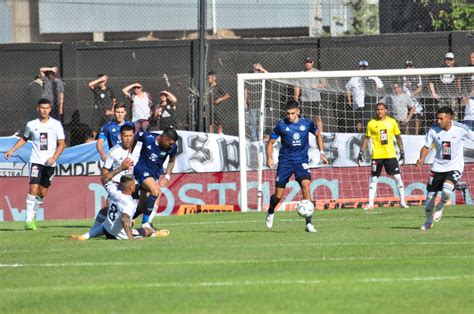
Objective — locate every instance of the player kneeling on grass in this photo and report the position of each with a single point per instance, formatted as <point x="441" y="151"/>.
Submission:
<point x="447" y="136"/>
<point x="122" y="207"/>
<point x="382" y="130"/>
<point x="293" y="158"/>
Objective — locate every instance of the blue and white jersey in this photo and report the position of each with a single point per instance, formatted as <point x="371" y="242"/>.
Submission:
<point x="110" y="132"/>
<point x="152" y="156"/>
<point x="294" y="140"/>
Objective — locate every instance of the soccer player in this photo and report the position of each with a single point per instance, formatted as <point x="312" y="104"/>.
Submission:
<point x="154" y="152"/>
<point x="110" y="131"/>
<point x="382" y="130"/>
<point x="447" y="136"/>
<point x="293" y="158"/>
<point x="47" y="137"/>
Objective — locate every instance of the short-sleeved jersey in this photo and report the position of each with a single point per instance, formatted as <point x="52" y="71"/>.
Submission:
<point x="449" y="146"/>
<point x="115" y="157"/>
<point x="119" y="204"/>
<point x="44" y="137"/>
<point x="152" y="156"/>
<point x="294" y="140"/>
<point x="110" y="132"/>
<point x="382" y="133"/>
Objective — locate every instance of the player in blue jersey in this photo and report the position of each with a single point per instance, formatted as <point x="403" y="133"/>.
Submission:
<point x="110" y="131"/>
<point x="155" y="150"/>
<point x="293" y="157"/>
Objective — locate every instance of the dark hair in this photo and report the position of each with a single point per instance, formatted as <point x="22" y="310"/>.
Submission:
<point x="292" y="104"/>
<point x="381" y="104"/>
<point x="211" y="73"/>
<point x="446" y="110"/>
<point x="119" y="105"/>
<point x="126" y="179"/>
<point x="126" y="127"/>
<point x="100" y="75"/>
<point x="44" y="101"/>
<point x="170" y="133"/>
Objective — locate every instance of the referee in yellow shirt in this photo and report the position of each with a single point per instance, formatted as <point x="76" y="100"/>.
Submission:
<point x="382" y="130"/>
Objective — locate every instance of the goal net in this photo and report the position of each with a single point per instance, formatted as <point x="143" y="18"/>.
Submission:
<point x="341" y="103"/>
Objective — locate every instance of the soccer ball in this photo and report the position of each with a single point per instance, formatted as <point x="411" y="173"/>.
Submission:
<point x="305" y="208"/>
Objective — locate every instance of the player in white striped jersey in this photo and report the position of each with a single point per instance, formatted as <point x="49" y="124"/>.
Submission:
<point x="447" y="136"/>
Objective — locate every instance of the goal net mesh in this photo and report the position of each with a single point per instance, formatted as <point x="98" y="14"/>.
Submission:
<point x="341" y="106"/>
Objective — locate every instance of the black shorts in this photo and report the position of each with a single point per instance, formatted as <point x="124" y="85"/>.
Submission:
<point x="391" y="167"/>
<point x="42" y="175"/>
<point x="437" y="179"/>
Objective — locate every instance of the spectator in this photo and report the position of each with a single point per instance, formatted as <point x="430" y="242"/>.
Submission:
<point x="104" y="102"/>
<point x="308" y="93"/>
<point x="468" y="104"/>
<point x="253" y="98"/>
<point x="468" y="79"/>
<point x="164" y="114"/>
<point x="401" y="106"/>
<point x="141" y="105"/>
<point x="35" y="93"/>
<point x="216" y="95"/>
<point x="76" y="131"/>
<point x="53" y="90"/>
<point x="356" y="94"/>
<point x="446" y="88"/>
<point x="413" y="86"/>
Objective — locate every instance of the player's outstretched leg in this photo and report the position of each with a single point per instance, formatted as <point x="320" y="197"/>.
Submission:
<point x="309" y="226"/>
<point x="430" y="200"/>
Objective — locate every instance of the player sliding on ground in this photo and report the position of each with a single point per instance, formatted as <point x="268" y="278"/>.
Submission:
<point x="447" y="136"/>
<point x="293" y="158"/>
<point x="122" y="207"/>
<point x="382" y="130"/>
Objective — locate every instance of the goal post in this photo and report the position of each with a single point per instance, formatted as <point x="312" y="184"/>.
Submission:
<point x="261" y="104"/>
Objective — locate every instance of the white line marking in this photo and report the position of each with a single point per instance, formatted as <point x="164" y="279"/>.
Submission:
<point x="240" y="261"/>
<point x="211" y="284"/>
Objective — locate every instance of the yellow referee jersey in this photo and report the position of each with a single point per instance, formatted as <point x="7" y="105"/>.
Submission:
<point x="382" y="133"/>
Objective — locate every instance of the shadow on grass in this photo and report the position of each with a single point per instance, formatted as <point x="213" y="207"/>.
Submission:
<point x="7" y="229"/>
<point x="65" y="227"/>
<point x="405" y="228"/>
<point x="245" y="231"/>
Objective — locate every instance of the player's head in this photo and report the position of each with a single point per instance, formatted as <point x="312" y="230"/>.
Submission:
<point x="44" y="108"/>
<point x="292" y="110"/>
<point x="127" y="184"/>
<point x="444" y="116"/>
<point x="126" y="135"/>
<point x="381" y="110"/>
<point x="120" y="112"/>
<point x="169" y="137"/>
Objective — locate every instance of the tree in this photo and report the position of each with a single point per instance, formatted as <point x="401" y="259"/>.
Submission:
<point x="365" y="17"/>
<point x="455" y="15"/>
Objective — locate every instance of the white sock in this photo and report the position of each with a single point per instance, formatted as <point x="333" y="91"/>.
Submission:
<point x="153" y="213"/>
<point x="448" y="189"/>
<point x="30" y="207"/>
<point x="38" y="203"/>
<point x="372" y="190"/>
<point x="400" y="187"/>
<point x="430" y="199"/>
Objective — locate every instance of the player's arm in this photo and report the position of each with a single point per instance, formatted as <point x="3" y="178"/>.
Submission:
<point x="126" y="164"/>
<point x="363" y="147"/>
<point x="319" y="141"/>
<point x="57" y="153"/>
<point x="399" y="140"/>
<point x="270" y="152"/>
<point x="126" y="226"/>
<point x="100" y="149"/>
<point x="423" y="153"/>
<point x="169" y="169"/>
<point x="21" y="141"/>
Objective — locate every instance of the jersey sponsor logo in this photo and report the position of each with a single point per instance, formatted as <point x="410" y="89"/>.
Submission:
<point x="296" y="139"/>
<point x="154" y="157"/>
<point x="446" y="150"/>
<point x="162" y="153"/>
<point x="43" y="141"/>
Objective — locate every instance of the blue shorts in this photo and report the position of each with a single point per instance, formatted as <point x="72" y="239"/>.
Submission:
<point x="284" y="172"/>
<point x="141" y="174"/>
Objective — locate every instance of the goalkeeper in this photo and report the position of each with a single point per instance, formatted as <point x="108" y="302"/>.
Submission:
<point x="382" y="130"/>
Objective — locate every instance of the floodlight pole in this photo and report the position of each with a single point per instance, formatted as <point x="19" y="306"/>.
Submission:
<point x="202" y="65"/>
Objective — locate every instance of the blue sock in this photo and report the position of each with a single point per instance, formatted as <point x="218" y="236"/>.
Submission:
<point x="149" y="203"/>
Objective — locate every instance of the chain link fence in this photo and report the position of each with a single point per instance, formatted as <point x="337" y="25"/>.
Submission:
<point x="240" y="34"/>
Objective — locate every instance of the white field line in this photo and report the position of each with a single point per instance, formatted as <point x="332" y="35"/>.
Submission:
<point x="211" y="284"/>
<point x="228" y="245"/>
<point x="239" y="261"/>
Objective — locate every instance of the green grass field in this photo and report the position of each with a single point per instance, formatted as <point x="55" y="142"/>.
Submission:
<point x="358" y="262"/>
